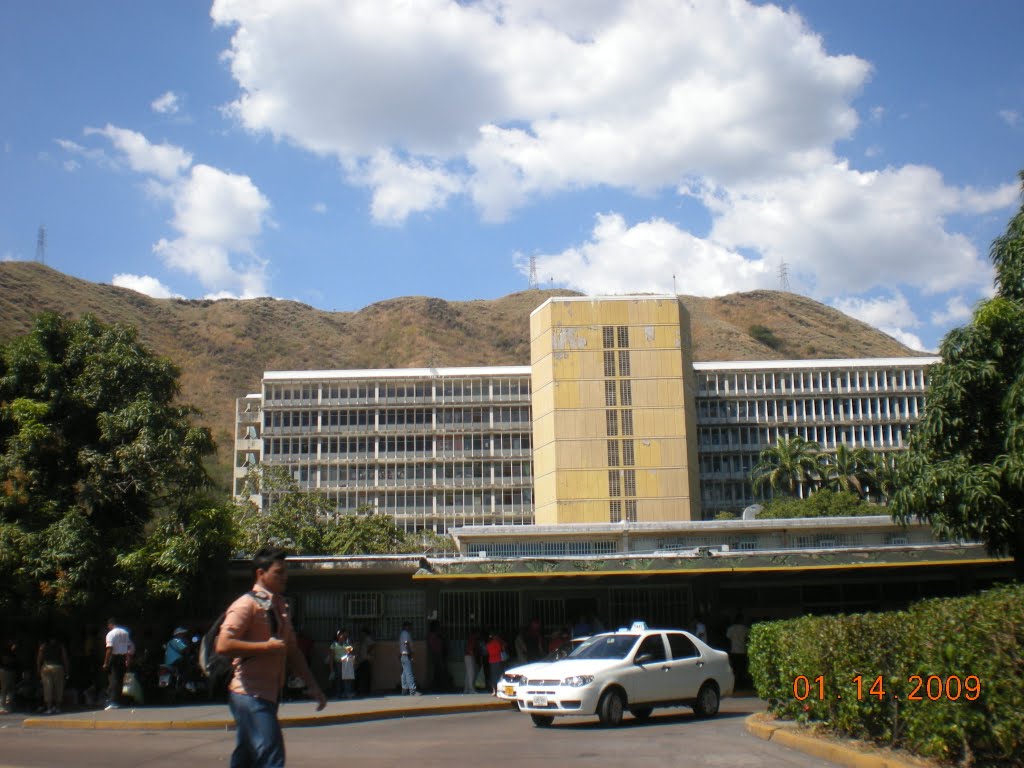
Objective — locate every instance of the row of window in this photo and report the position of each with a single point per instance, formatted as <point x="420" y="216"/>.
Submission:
<point x="812" y="381"/>
<point x="816" y="409"/>
<point x="876" y="436"/>
<point x="370" y="417"/>
<point x="396" y="445"/>
<point x="447" y="389"/>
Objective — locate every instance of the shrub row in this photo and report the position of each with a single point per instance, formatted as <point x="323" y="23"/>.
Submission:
<point x="944" y="679"/>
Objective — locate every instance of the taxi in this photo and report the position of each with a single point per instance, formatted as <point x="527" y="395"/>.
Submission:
<point x="630" y="670"/>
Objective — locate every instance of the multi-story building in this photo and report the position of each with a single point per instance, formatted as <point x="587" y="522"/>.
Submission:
<point x="612" y="422"/>
<point x="743" y="407"/>
<point x="435" y="448"/>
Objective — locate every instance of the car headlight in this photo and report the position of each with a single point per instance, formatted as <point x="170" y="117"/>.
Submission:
<point x="578" y="681"/>
<point x="513" y="679"/>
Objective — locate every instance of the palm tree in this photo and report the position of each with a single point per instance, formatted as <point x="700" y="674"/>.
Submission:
<point x="849" y="469"/>
<point x="884" y="470"/>
<point x="787" y="466"/>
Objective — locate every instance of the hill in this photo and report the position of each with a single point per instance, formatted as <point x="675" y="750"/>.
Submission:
<point x="223" y="346"/>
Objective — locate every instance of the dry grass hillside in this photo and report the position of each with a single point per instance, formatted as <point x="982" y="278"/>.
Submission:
<point x="222" y="347"/>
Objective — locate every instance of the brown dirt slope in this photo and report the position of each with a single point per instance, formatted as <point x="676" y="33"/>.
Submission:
<point x="222" y="347"/>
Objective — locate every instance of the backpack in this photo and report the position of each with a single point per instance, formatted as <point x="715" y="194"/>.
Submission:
<point x="216" y="666"/>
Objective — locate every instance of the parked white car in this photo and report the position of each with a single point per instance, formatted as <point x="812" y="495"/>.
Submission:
<point x="509" y="682"/>
<point x="632" y="670"/>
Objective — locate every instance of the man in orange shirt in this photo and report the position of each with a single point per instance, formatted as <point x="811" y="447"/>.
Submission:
<point x="257" y="632"/>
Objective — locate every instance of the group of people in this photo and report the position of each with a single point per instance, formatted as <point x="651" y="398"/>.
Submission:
<point x="42" y="683"/>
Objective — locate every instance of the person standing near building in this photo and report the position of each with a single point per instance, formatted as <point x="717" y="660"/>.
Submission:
<point x="115" y="660"/>
<point x="257" y="633"/>
<point x="469" y="660"/>
<point x="405" y="649"/>
<point x="737" y="634"/>
<point x="364" y="662"/>
<point x="54" y="668"/>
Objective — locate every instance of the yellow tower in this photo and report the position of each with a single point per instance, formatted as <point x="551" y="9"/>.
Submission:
<point x="614" y="422"/>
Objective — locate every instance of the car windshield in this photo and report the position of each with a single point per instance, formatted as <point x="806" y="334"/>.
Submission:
<point x="605" y="647"/>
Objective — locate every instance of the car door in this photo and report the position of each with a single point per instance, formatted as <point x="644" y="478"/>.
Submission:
<point x="647" y="677"/>
<point x="686" y="669"/>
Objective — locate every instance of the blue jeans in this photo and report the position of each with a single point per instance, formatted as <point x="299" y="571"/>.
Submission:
<point x="408" y="681"/>
<point x="260" y="743"/>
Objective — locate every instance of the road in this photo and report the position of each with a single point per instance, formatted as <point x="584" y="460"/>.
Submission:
<point x="671" y="737"/>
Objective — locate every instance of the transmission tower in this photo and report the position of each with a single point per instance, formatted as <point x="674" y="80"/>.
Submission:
<point x="41" y="245"/>
<point x="533" y="272"/>
<point x="784" y="277"/>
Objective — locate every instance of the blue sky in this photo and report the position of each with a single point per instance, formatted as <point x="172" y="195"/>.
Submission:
<point x="339" y="153"/>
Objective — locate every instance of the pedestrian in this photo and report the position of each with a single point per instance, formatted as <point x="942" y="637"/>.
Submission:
<point x="700" y="629"/>
<point x="257" y="633"/>
<point x="115" y="660"/>
<point x="405" y="649"/>
<point x="469" y="660"/>
<point x="8" y="675"/>
<point x="348" y="673"/>
<point x="737" y="634"/>
<point x="364" y="662"/>
<point x="54" y="668"/>
<point x="335" y="653"/>
<point x="497" y="657"/>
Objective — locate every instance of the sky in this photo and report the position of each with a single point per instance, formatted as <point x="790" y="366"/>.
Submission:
<point x="864" y="153"/>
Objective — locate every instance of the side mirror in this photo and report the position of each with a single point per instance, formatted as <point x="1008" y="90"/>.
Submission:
<point x="644" y="658"/>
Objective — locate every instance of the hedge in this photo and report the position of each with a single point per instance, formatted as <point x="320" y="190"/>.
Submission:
<point x="944" y="679"/>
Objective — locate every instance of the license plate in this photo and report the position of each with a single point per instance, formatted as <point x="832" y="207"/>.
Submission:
<point x="510" y="690"/>
<point x="540" y="701"/>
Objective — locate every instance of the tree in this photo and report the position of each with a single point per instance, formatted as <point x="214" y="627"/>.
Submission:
<point x="848" y="469"/>
<point x="306" y="523"/>
<point x="93" y="448"/>
<point x="964" y="471"/>
<point x="821" y="503"/>
<point x="787" y="466"/>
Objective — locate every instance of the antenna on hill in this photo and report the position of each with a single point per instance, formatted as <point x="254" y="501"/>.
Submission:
<point x="784" y="277"/>
<point x="533" y="273"/>
<point x="41" y="245"/>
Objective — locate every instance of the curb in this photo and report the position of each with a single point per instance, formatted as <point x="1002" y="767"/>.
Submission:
<point x="790" y="735"/>
<point x="227" y="724"/>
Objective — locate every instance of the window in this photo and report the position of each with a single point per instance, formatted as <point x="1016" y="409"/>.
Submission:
<point x="625" y="392"/>
<point x="629" y="476"/>
<point x="611" y="423"/>
<point x="609" y="363"/>
<point x="608" y="336"/>
<point x="627" y="422"/>
<point x="613" y="453"/>
<point x="681" y="646"/>
<point x="615" y="511"/>
<point x="623" y="336"/>
<point x="609" y="393"/>
<point x="623" y="363"/>
<point x="627" y="453"/>
<point x="631" y="510"/>
<point x="614" y="483"/>
<point x="653" y="645"/>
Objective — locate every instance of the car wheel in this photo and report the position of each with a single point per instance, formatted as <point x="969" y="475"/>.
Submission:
<point x="542" y="721"/>
<point x="641" y="713"/>
<point x="610" y="708"/>
<point x="707" y="701"/>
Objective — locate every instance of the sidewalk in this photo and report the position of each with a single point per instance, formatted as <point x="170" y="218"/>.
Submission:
<point x="293" y="714"/>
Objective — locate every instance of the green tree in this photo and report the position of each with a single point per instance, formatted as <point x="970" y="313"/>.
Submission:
<point x="848" y="469"/>
<point x="93" y="448"/>
<point x="790" y="466"/>
<point x="821" y="503"/>
<point x="306" y="523"/>
<point x="964" y="471"/>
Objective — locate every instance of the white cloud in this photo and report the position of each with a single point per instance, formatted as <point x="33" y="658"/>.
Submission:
<point x="1010" y="116"/>
<point x="163" y="160"/>
<point x="537" y="99"/>
<point x="843" y="231"/>
<point x="150" y="286"/>
<point x="166" y="104"/>
<point x="402" y="188"/>
<point x="646" y="257"/>
<point x="891" y="314"/>
<point x="319" y="208"/>
<point x="956" y="312"/>
<point x="219" y="215"/>
<point x="877" y="113"/>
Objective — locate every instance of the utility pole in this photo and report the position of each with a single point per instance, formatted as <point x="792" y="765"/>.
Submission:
<point x="41" y="245"/>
